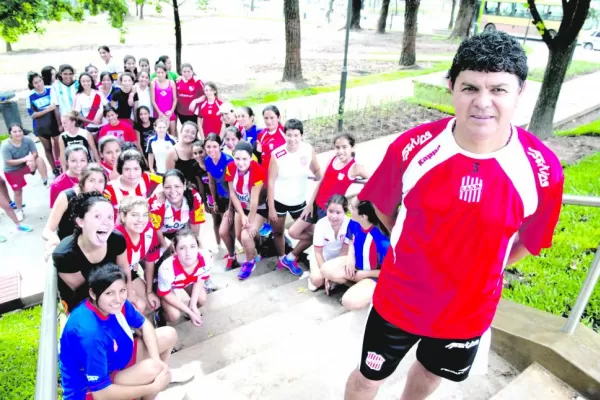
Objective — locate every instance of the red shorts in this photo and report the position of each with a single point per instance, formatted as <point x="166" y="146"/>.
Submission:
<point x="16" y="179"/>
<point x="131" y="363"/>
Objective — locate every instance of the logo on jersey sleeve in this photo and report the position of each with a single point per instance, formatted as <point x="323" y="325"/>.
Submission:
<point x="543" y="169"/>
<point x="280" y="153"/>
<point x="414" y="142"/>
<point x="470" y="189"/>
<point x="429" y="156"/>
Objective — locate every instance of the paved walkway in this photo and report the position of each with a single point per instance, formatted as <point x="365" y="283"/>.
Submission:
<point x="24" y="251"/>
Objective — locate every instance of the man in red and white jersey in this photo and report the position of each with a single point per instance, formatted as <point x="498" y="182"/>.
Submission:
<point x="465" y="197"/>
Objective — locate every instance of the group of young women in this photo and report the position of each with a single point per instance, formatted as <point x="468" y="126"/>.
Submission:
<point x="131" y="191"/>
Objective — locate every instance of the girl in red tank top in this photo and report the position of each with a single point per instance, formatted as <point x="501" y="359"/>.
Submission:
<point x="341" y="172"/>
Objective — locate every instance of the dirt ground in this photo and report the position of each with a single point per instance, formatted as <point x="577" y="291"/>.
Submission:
<point x="572" y="149"/>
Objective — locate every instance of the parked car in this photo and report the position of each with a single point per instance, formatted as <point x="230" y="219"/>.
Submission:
<point x="590" y="41"/>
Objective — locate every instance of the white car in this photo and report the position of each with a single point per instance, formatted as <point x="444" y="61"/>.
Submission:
<point x="591" y="41"/>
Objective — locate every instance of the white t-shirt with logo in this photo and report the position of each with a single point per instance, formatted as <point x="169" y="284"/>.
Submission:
<point x="326" y="238"/>
<point x="293" y="170"/>
<point x="83" y="105"/>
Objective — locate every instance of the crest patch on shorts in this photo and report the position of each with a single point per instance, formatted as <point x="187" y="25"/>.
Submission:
<point x="374" y="361"/>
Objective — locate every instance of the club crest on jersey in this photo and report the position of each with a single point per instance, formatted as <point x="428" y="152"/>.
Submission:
<point x="470" y="189"/>
<point x="416" y="141"/>
<point x="374" y="361"/>
<point x="543" y="172"/>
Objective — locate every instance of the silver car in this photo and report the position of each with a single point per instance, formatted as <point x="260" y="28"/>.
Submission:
<point x="590" y="41"/>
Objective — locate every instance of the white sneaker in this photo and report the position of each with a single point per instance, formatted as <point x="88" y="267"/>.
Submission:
<point x="20" y="215"/>
<point x="312" y="287"/>
<point x="185" y="373"/>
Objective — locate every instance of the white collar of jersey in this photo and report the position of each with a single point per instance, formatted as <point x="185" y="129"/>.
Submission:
<point x="509" y="147"/>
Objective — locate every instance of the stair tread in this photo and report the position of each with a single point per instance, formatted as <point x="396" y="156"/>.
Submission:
<point x="292" y="325"/>
<point x="244" y="312"/>
<point x="537" y="383"/>
<point x="318" y="366"/>
<point x="237" y="290"/>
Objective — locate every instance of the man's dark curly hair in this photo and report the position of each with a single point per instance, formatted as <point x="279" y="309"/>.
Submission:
<point x="490" y="52"/>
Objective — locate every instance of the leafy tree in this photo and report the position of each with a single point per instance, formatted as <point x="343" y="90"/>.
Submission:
<point x="20" y="17"/>
<point x="561" y="48"/>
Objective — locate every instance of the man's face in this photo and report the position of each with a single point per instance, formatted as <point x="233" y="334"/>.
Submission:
<point x="485" y="102"/>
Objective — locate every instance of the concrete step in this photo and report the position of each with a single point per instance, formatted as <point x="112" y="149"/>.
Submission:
<point x="537" y="383"/>
<point x="318" y="367"/>
<point x="292" y="325"/>
<point x="263" y="278"/>
<point x="260" y="305"/>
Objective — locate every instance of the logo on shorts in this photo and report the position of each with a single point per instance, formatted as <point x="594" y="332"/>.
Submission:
<point x="374" y="361"/>
<point x="459" y="372"/>
<point x="470" y="189"/>
<point x="92" y="378"/>
<point x="115" y="346"/>
<point x="466" y="345"/>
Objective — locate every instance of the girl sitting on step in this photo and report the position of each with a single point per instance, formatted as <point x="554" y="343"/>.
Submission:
<point x="367" y="242"/>
<point x="340" y="174"/>
<point x="186" y="270"/>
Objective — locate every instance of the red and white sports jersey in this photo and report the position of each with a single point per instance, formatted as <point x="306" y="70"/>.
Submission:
<point x="243" y="183"/>
<point x="459" y="216"/>
<point x="335" y="181"/>
<point x="172" y="275"/>
<point x="269" y="142"/>
<point x="168" y="219"/>
<point x="115" y="193"/>
<point x="147" y="248"/>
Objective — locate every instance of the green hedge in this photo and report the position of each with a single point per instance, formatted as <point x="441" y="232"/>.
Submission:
<point x="552" y="281"/>
<point x="591" y="129"/>
<point x="19" y="334"/>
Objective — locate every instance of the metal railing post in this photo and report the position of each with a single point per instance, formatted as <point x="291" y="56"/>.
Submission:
<point x="46" y="376"/>
<point x="584" y="295"/>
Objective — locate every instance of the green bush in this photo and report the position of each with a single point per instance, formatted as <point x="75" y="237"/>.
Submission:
<point x="552" y="281"/>
<point x="19" y="334"/>
<point x="434" y="97"/>
<point x="3" y="137"/>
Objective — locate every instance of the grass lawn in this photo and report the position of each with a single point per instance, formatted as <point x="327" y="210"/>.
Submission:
<point x="590" y="129"/>
<point x="551" y="282"/>
<point x="19" y="334"/>
<point x="577" y="68"/>
<point x="271" y="97"/>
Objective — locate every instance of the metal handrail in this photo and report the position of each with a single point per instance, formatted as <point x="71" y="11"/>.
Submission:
<point x="593" y="274"/>
<point x="46" y="376"/>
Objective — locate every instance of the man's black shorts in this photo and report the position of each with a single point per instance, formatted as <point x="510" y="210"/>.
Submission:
<point x="385" y="345"/>
<point x="295" y="211"/>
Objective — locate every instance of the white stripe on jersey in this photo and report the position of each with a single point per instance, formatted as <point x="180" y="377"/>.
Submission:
<point x="123" y="323"/>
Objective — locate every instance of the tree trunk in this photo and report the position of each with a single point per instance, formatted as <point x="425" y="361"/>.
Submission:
<point x="8" y="47"/>
<point x="545" y="106"/>
<point x="252" y="6"/>
<point x="355" y="21"/>
<point x="464" y="19"/>
<point x="292" y="71"/>
<point x="451" y="23"/>
<point x="409" y="38"/>
<point x="177" y="35"/>
<point x="385" y="7"/>
<point x="142" y="11"/>
<point x="329" y="11"/>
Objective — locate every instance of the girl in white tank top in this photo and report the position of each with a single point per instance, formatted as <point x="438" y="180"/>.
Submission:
<point x="289" y="169"/>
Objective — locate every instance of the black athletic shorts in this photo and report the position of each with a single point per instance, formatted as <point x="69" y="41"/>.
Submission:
<point x="294" y="211"/>
<point x="317" y="214"/>
<point x="385" y="345"/>
<point x="263" y="212"/>
<point x="222" y="204"/>
<point x="184" y="118"/>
